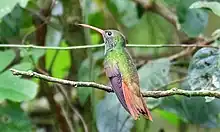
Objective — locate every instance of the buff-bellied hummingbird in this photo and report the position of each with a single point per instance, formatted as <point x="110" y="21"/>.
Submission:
<point x="122" y="73"/>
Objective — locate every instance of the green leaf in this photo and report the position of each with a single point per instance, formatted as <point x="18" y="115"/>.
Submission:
<point x="172" y="2"/>
<point x="204" y="70"/>
<point x="154" y="30"/>
<point x="7" y="57"/>
<point x="216" y="37"/>
<point x="83" y="75"/>
<point x="53" y="36"/>
<point x="95" y="38"/>
<point x="170" y="117"/>
<point x="62" y="62"/>
<point x="152" y="103"/>
<point x="154" y="74"/>
<point x="192" y="21"/>
<point x="204" y="73"/>
<point x="96" y="19"/>
<point x="212" y="5"/>
<point x="11" y="24"/>
<point x="16" y="89"/>
<point x="195" y="22"/>
<point x="194" y="110"/>
<point x="151" y="29"/>
<point x="13" y="119"/>
<point x="111" y="116"/>
<point x="7" y="5"/>
<point x="123" y="10"/>
<point x="24" y="66"/>
<point x="31" y="54"/>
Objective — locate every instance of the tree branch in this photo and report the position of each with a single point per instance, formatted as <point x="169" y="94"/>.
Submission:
<point x="160" y="9"/>
<point x="61" y="81"/>
<point x="154" y="94"/>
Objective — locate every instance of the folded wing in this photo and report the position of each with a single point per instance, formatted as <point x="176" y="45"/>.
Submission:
<point x="112" y="71"/>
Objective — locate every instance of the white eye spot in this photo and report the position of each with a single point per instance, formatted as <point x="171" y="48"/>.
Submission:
<point x="109" y="33"/>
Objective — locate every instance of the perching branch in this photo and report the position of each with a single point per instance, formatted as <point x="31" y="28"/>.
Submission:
<point x="154" y="94"/>
<point x="61" y="81"/>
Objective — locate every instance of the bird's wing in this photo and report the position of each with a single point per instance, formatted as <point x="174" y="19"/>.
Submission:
<point x="113" y="73"/>
<point x="127" y="91"/>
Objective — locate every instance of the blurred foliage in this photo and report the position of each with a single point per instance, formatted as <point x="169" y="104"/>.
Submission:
<point x="112" y="117"/>
<point x="83" y="75"/>
<point x="203" y="70"/>
<point x="142" y="23"/>
<point x="11" y="24"/>
<point x="213" y="6"/>
<point x="7" y="6"/>
<point x="123" y="11"/>
<point x="193" y="21"/>
<point x="13" y="119"/>
<point x="155" y="74"/>
<point x="12" y="87"/>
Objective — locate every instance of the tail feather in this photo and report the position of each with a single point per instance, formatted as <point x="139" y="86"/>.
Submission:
<point x="133" y="111"/>
<point x="135" y="104"/>
<point x="146" y="112"/>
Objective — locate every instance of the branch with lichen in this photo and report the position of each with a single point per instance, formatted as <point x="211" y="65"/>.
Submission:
<point x="154" y="94"/>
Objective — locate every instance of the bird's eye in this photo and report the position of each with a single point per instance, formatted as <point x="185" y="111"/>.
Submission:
<point x="109" y="33"/>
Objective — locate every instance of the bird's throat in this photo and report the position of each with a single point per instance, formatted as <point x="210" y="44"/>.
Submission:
<point x="106" y="49"/>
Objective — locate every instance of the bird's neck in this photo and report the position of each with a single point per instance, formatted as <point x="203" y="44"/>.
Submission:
<point x="114" y="47"/>
<point x="115" y="50"/>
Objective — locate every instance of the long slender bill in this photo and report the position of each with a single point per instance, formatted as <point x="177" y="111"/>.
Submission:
<point x="94" y="28"/>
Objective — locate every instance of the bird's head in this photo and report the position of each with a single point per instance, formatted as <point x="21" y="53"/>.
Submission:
<point x="113" y="39"/>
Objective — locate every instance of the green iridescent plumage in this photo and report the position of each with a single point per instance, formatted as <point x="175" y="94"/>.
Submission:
<point x="122" y="73"/>
<point x="119" y="54"/>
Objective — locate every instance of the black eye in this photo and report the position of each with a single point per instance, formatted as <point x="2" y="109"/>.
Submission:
<point x="109" y="33"/>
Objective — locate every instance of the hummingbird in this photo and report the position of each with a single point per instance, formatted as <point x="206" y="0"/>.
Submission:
<point x="122" y="73"/>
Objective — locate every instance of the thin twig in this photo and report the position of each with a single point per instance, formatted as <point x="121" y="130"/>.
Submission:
<point x="38" y="69"/>
<point x="171" y="83"/>
<point x="123" y="124"/>
<point x="163" y="11"/>
<point x="189" y="50"/>
<point x="168" y="45"/>
<point x="45" y="19"/>
<point x="51" y="48"/>
<point x="69" y="123"/>
<point x="62" y="91"/>
<point x="182" y="53"/>
<point x="154" y="94"/>
<point x="101" y="45"/>
<point x="52" y="62"/>
<point x="31" y="31"/>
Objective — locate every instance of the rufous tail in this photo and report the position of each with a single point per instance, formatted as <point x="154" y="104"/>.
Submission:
<point x="135" y="104"/>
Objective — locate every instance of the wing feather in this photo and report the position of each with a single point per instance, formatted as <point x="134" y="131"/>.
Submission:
<point x="113" y="73"/>
<point x="127" y="91"/>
